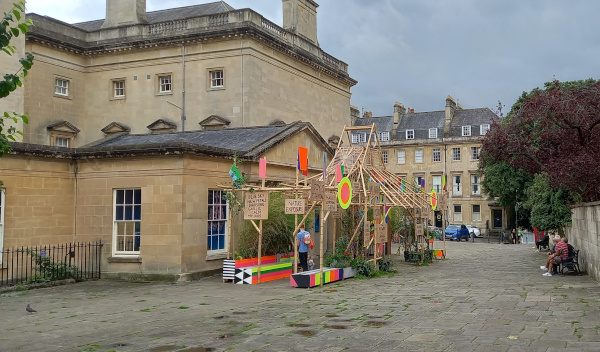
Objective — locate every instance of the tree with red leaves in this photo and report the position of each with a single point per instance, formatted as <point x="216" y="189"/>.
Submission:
<point x="555" y="132"/>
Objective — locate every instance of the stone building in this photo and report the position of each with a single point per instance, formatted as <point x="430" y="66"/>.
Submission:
<point x="170" y="70"/>
<point x="430" y="145"/>
<point x="152" y="199"/>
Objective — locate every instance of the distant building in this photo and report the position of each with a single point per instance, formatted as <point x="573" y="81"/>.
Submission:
<point x="428" y="145"/>
<point x="130" y="71"/>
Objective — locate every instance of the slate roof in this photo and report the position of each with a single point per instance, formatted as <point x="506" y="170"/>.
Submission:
<point x="246" y="142"/>
<point x="173" y="14"/>
<point x="421" y="122"/>
<point x="383" y="124"/>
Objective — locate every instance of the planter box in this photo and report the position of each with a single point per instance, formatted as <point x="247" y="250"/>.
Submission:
<point x="245" y="271"/>
<point x="349" y="272"/>
<point x="313" y="278"/>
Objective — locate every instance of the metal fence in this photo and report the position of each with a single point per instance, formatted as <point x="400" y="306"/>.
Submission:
<point x="38" y="264"/>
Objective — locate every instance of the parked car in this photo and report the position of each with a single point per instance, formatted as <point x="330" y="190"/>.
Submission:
<point x="456" y="232"/>
<point x="474" y="230"/>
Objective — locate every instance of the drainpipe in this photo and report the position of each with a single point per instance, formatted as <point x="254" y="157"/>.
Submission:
<point x="183" y="117"/>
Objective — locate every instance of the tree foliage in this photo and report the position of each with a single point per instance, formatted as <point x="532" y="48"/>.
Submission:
<point x="13" y="24"/>
<point x="549" y="208"/>
<point x="555" y="131"/>
<point x="505" y="184"/>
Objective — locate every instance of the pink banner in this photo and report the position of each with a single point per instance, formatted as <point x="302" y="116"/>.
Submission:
<point x="338" y="173"/>
<point x="262" y="168"/>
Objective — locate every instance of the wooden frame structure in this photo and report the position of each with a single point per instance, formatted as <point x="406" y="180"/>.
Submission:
<point x="374" y="187"/>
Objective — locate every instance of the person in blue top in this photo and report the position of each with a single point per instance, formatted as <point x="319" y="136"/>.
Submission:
<point x="301" y="242"/>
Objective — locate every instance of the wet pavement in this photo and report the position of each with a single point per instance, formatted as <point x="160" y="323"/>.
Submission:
<point x="483" y="297"/>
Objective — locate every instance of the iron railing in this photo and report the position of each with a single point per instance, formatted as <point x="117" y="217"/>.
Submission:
<point x="38" y="264"/>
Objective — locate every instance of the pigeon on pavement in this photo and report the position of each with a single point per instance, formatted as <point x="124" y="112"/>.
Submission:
<point x="30" y="310"/>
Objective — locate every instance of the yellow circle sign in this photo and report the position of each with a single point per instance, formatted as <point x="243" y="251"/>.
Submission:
<point x="345" y="193"/>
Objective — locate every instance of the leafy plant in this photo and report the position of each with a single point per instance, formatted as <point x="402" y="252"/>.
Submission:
<point x="49" y="270"/>
<point x="363" y="267"/>
<point x="340" y="258"/>
<point x="11" y="26"/>
<point x="386" y="265"/>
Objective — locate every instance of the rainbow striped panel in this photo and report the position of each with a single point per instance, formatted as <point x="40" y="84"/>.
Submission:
<point x="249" y="275"/>
<point x="313" y="278"/>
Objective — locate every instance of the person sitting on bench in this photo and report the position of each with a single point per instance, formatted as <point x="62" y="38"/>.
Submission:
<point x="560" y="254"/>
<point x="542" y="243"/>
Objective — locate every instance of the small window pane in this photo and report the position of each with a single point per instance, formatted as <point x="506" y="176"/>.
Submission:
<point x="120" y="196"/>
<point x="129" y="196"/>
<point x="119" y="211"/>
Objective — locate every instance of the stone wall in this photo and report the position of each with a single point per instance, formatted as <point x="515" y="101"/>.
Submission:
<point x="584" y="234"/>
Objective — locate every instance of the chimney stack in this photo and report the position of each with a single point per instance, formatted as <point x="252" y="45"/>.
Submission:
<point x="300" y="18"/>
<point x="354" y="114"/>
<point x="450" y="109"/>
<point x="124" y="13"/>
<point x="399" y="110"/>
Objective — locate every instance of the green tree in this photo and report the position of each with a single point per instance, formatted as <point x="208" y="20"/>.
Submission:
<point x="13" y="24"/>
<point x="549" y="208"/>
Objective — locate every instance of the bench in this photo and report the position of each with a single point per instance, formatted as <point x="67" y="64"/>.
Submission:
<point x="571" y="264"/>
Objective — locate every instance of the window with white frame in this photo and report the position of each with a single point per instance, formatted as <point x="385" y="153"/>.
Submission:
<point x="118" y="89"/>
<point x="355" y="137"/>
<point x="418" y="155"/>
<point x="474" y="153"/>
<point x="456" y="185"/>
<point x="419" y="181"/>
<point x="476" y="212"/>
<point x="410" y="134"/>
<point x="1" y="224"/>
<point x="363" y="138"/>
<point x="401" y="157"/>
<point x="61" y="87"/>
<point x="384" y="136"/>
<point x="466" y="131"/>
<point x="437" y="154"/>
<point x="165" y="84"/>
<point x="455" y="154"/>
<point x="433" y="133"/>
<point x="61" y="142"/>
<point x="217" y="221"/>
<point x="483" y="129"/>
<point x="385" y="157"/>
<point x="127" y="221"/>
<point x="437" y="183"/>
<point x="475" y="185"/>
<point x="457" y="212"/>
<point x="217" y="79"/>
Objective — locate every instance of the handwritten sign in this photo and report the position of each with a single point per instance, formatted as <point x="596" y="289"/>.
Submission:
<point x="295" y="206"/>
<point x="256" y="206"/>
<point x="376" y="212"/>
<point x="382" y="232"/>
<point x="317" y="191"/>
<point x="417" y="212"/>
<point x="331" y="203"/>
<point x="419" y="230"/>
<point x="374" y="189"/>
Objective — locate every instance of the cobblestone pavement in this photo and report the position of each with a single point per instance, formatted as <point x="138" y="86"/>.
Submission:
<point x="484" y="297"/>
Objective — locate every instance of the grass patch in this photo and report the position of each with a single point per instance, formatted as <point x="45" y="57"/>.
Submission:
<point x="145" y="310"/>
<point x="182" y="307"/>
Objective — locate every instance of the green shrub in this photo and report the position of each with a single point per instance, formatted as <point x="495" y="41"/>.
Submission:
<point x="363" y="268"/>
<point x="385" y="265"/>
<point x="52" y="271"/>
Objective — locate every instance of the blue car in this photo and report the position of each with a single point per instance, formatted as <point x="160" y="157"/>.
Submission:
<point x="457" y="232"/>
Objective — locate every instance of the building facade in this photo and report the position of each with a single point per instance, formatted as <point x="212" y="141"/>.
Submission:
<point x="423" y="147"/>
<point x="180" y="66"/>
<point x="153" y="200"/>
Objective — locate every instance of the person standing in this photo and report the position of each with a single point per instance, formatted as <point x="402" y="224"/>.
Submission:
<point x="514" y="236"/>
<point x="302" y="241"/>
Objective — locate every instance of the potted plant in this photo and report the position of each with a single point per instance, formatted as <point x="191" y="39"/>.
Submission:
<point x="341" y="258"/>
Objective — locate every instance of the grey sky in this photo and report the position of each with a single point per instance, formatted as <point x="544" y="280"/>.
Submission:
<point x="419" y="51"/>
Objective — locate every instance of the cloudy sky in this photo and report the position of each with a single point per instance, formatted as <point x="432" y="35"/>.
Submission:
<point x="419" y="51"/>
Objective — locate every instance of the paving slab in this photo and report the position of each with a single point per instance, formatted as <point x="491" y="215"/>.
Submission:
<point x="472" y="301"/>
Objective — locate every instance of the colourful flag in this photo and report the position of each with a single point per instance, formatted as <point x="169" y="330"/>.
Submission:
<point x="324" y="166"/>
<point x="338" y="173"/>
<point x="234" y="173"/>
<point x="444" y="182"/>
<point x="303" y="158"/>
<point x="422" y="183"/>
<point x="262" y="168"/>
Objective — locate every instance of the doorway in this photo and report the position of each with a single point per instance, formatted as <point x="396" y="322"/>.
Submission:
<point x="497" y="213"/>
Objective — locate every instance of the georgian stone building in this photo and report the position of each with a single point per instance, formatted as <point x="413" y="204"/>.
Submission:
<point x="145" y="112"/>
<point x="170" y="70"/>
<point x="430" y="145"/>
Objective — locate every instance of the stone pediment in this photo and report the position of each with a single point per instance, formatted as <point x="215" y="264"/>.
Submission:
<point x="162" y="125"/>
<point x="63" y="126"/>
<point x="215" y="120"/>
<point x="115" y="127"/>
